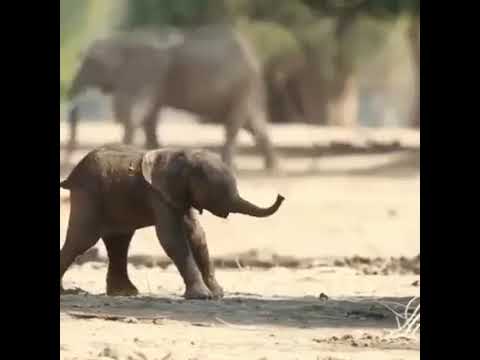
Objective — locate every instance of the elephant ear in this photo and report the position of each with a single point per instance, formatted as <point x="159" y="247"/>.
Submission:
<point x="167" y="172"/>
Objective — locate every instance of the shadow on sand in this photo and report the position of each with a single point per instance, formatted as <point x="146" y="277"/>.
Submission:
<point x="240" y="310"/>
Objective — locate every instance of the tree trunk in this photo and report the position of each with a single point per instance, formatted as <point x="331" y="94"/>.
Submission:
<point x="344" y="96"/>
<point x="414" y="40"/>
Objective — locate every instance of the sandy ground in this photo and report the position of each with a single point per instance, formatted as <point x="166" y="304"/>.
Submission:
<point x="336" y="208"/>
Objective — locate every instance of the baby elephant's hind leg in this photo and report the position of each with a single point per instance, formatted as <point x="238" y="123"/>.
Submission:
<point x="118" y="282"/>
<point x="199" y="247"/>
<point x="83" y="229"/>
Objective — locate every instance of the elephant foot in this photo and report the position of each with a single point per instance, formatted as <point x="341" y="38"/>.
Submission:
<point x="274" y="170"/>
<point x="271" y="166"/>
<point x="198" y="291"/>
<point x="152" y="145"/>
<point x="215" y="288"/>
<point x="121" y="288"/>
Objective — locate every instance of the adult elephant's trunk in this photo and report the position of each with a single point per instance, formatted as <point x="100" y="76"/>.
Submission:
<point x="72" y="119"/>
<point x="243" y="206"/>
<point x="73" y="123"/>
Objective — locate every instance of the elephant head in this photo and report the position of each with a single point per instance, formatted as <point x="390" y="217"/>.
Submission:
<point x="99" y="69"/>
<point x="198" y="179"/>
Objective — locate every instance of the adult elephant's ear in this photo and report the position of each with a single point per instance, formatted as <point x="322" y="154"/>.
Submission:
<point x="166" y="171"/>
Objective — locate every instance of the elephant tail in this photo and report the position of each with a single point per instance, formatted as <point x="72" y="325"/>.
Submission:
<point x="65" y="184"/>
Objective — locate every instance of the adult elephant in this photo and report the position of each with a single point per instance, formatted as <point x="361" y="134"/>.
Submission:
<point x="296" y="91"/>
<point x="213" y="72"/>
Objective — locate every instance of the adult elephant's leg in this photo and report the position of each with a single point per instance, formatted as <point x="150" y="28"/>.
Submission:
<point x="150" y="128"/>
<point x="118" y="282"/>
<point x="234" y="122"/>
<point x="122" y="110"/>
<point x="173" y="238"/>
<point x="256" y="124"/>
<point x="199" y="247"/>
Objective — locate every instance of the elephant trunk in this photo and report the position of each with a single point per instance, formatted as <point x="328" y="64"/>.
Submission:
<point x="73" y="122"/>
<point x="76" y="88"/>
<point x="243" y="206"/>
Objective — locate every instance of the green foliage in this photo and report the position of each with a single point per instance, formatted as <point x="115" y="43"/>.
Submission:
<point x="183" y="13"/>
<point x="366" y="37"/>
<point x="269" y="39"/>
<point x="287" y="12"/>
<point x="377" y="8"/>
<point x="80" y="23"/>
<point x="72" y="19"/>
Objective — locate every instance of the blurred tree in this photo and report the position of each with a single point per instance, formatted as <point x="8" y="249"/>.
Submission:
<point x="344" y="94"/>
<point x="181" y="13"/>
<point x="414" y="37"/>
<point x="80" y="23"/>
<point x="336" y="35"/>
<point x="269" y="38"/>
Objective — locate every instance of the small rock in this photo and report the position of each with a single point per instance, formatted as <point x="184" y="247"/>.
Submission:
<point x="339" y="263"/>
<point x="323" y="297"/>
<point x="392" y="212"/>
<point x="131" y="320"/>
<point x="109" y="353"/>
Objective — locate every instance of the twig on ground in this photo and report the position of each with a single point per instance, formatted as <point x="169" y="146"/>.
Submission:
<point x="238" y="327"/>
<point x="411" y="323"/>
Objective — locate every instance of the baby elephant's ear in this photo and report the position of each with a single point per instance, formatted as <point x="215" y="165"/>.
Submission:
<point x="163" y="169"/>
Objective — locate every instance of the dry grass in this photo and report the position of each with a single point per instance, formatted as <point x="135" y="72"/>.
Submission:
<point x="408" y="323"/>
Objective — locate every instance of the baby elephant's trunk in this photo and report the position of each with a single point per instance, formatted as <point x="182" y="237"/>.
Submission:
<point x="243" y="206"/>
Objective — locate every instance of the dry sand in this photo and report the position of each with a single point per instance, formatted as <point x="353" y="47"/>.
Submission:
<point x="336" y="207"/>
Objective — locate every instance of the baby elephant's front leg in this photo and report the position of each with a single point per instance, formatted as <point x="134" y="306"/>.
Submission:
<point x="173" y="238"/>
<point x="199" y="247"/>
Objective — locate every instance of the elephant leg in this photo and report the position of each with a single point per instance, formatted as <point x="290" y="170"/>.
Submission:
<point x="128" y="132"/>
<point x="150" y="129"/>
<point x="257" y="127"/>
<point x="234" y="123"/>
<point x="118" y="282"/>
<point x="122" y="109"/>
<point x="83" y="229"/>
<point x="173" y="238"/>
<point x="199" y="247"/>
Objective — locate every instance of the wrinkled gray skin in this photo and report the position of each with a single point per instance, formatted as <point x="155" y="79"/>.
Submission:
<point x="213" y="73"/>
<point x="117" y="189"/>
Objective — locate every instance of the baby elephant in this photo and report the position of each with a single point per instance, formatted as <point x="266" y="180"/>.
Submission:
<point x="117" y="189"/>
